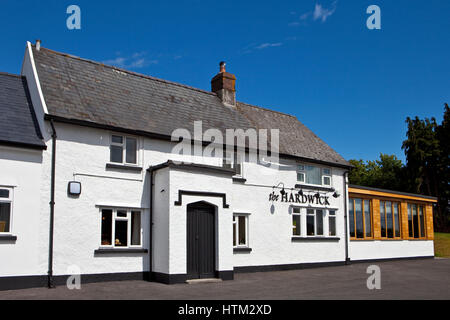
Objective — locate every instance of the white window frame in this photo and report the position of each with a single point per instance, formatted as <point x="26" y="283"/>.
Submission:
<point x="301" y="170"/>
<point x="335" y="222"/>
<point x="299" y="214"/>
<point x="304" y="221"/>
<point x="113" y="231"/>
<point x="236" y="225"/>
<point x="124" y="149"/>
<point x="324" y="224"/>
<point x="324" y="175"/>
<point x="9" y="200"/>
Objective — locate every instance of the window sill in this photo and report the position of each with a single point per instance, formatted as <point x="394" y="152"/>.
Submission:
<point x="119" y="251"/>
<point x="295" y="239"/>
<point x="387" y="240"/>
<point x="124" y="167"/>
<point x="7" y="237"/>
<point x="314" y="187"/>
<point x="239" y="179"/>
<point x="243" y="250"/>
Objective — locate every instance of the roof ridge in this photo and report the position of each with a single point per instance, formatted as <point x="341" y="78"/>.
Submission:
<point x="128" y="71"/>
<point x="267" y="109"/>
<point x="10" y="74"/>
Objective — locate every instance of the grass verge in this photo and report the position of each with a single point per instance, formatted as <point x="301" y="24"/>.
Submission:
<point x="442" y="245"/>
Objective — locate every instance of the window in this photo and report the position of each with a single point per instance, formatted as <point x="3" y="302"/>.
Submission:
<point x="360" y="218"/>
<point x="390" y="219"/>
<point x="332" y="223"/>
<point x="123" y="150"/>
<point x="314" y="222"/>
<point x="232" y="161"/>
<point x="314" y="175"/>
<point x="326" y="177"/>
<point x="301" y="173"/>
<point x="6" y="196"/>
<point x="240" y="231"/>
<point x="124" y="226"/>
<point x="296" y="224"/>
<point x="416" y="221"/>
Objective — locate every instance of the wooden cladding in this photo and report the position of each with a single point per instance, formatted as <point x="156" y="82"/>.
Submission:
<point x="389" y="217"/>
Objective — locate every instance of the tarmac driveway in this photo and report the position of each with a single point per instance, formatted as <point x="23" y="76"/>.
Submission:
<point x="406" y="279"/>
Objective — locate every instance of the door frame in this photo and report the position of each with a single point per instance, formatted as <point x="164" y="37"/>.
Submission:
<point x="213" y="208"/>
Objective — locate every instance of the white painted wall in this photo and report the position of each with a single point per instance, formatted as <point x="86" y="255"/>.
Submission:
<point x="270" y="234"/>
<point x="195" y="181"/>
<point x="161" y="220"/>
<point x="367" y="250"/>
<point x="82" y="156"/>
<point x="21" y="170"/>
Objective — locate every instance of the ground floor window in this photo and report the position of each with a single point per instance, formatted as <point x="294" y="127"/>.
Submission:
<point x="6" y="197"/>
<point x="314" y="222"/>
<point x="332" y="223"/>
<point x="390" y="219"/>
<point x="296" y="222"/>
<point x="416" y="221"/>
<point x="240" y="230"/>
<point x="121" y="228"/>
<point x="360" y="218"/>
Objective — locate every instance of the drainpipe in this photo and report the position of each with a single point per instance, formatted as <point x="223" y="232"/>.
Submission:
<point x="52" y="209"/>
<point x="150" y="256"/>
<point x="347" y="260"/>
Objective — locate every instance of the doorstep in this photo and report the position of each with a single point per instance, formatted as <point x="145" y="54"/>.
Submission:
<point x="199" y="281"/>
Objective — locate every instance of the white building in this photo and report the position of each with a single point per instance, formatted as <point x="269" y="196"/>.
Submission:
<point x="21" y="182"/>
<point x="126" y="208"/>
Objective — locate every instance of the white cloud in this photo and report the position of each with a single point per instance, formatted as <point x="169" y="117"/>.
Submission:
<point x="119" y="62"/>
<point x="268" y="45"/>
<point x="135" y="61"/>
<point x="305" y="16"/>
<point x="321" y="13"/>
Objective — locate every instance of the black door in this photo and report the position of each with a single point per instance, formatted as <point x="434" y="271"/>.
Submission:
<point x="200" y="241"/>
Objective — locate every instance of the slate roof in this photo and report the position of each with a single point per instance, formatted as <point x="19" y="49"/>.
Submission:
<point x="91" y="92"/>
<point x="18" y="125"/>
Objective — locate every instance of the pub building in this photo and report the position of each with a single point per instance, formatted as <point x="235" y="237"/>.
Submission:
<point x="89" y="183"/>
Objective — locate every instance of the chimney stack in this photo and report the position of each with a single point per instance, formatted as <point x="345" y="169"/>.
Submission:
<point x="224" y="85"/>
<point x="38" y="45"/>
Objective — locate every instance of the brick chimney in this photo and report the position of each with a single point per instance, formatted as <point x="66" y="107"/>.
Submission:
<point x="224" y="85"/>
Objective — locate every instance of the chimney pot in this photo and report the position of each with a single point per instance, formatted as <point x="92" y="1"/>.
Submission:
<point x="224" y="85"/>
<point x="222" y="67"/>
<point x="38" y="45"/>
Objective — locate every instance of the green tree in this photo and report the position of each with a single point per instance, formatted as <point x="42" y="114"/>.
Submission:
<point x="443" y="133"/>
<point x="385" y="173"/>
<point x="427" y="162"/>
<point x="427" y="169"/>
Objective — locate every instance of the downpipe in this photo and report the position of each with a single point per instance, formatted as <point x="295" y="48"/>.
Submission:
<point x="347" y="260"/>
<point x="50" y="282"/>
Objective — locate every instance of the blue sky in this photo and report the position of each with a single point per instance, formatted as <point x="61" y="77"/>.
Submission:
<point x="317" y="60"/>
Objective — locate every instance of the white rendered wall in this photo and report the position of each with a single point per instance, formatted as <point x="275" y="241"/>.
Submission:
<point x="82" y="154"/>
<point x="195" y="181"/>
<point x="21" y="170"/>
<point x="378" y="249"/>
<point x="161" y="215"/>
<point x="270" y="234"/>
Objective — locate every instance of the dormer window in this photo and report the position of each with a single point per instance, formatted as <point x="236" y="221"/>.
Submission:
<point x="314" y="175"/>
<point x="123" y="150"/>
